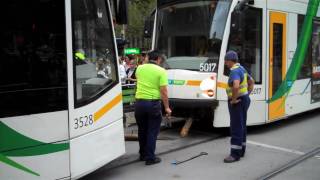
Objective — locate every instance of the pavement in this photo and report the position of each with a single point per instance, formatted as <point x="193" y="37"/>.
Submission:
<point x="269" y="147"/>
<point x="169" y="140"/>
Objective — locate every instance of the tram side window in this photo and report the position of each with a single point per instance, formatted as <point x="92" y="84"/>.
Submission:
<point x="94" y="50"/>
<point x="305" y="71"/>
<point x="315" y="81"/>
<point x="247" y="42"/>
<point x="33" y="75"/>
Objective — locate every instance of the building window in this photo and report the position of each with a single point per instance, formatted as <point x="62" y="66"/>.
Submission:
<point x="246" y="40"/>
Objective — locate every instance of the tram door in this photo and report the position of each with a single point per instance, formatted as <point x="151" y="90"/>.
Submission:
<point x="277" y="62"/>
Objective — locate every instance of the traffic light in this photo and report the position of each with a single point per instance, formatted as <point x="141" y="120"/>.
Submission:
<point x="121" y="42"/>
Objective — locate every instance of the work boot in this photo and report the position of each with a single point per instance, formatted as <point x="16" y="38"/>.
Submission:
<point x="230" y="159"/>
<point x="242" y="155"/>
<point x="243" y="151"/>
<point x="153" y="161"/>
<point x="142" y="158"/>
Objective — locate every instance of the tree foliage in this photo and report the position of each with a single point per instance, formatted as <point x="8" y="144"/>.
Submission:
<point x="138" y="11"/>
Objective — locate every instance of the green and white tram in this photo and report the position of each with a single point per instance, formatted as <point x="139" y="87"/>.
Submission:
<point x="60" y="94"/>
<point x="278" y="41"/>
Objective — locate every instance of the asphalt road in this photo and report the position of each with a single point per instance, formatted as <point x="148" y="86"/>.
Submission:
<point x="269" y="148"/>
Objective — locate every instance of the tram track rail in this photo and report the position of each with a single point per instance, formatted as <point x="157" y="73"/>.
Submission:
<point x="291" y="164"/>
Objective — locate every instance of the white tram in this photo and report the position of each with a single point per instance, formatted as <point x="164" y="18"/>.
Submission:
<point x="60" y="93"/>
<point x="278" y="42"/>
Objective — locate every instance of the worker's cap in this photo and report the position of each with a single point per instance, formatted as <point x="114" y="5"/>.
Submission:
<point x="231" y="56"/>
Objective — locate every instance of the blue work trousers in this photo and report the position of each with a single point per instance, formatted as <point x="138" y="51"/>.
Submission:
<point x="238" y="125"/>
<point x="148" y="116"/>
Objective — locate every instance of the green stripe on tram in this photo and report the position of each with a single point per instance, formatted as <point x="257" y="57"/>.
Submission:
<point x="16" y="165"/>
<point x="300" y="53"/>
<point x="11" y="143"/>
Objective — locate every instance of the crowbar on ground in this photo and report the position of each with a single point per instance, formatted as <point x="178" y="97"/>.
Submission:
<point x="175" y="162"/>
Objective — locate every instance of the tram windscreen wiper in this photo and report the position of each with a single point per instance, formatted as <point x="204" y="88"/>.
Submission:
<point x="219" y="20"/>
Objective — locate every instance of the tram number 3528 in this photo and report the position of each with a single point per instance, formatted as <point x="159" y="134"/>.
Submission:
<point x="83" y="121"/>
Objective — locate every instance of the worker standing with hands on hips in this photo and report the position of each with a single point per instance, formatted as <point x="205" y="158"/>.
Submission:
<point x="152" y="81"/>
<point x="240" y="85"/>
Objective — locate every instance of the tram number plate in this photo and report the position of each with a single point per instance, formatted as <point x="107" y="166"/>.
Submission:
<point x="256" y="91"/>
<point x="208" y="67"/>
<point x="83" y="121"/>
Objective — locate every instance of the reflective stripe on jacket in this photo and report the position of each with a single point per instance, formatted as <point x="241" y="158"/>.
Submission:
<point x="243" y="89"/>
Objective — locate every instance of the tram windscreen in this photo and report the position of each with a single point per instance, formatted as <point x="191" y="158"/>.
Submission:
<point x="93" y="50"/>
<point x="191" y="33"/>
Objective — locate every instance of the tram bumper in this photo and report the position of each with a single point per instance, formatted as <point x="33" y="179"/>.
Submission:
<point x="193" y="103"/>
<point x="198" y="109"/>
<point x="192" y="93"/>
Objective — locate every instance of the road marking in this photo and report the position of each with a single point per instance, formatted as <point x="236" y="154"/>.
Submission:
<point x="276" y="147"/>
<point x="279" y="148"/>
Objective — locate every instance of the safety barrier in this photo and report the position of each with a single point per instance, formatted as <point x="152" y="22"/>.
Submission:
<point x="128" y="97"/>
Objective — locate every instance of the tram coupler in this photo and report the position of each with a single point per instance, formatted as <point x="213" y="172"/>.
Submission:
<point x="131" y="137"/>
<point x="168" y="122"/>
<point x="186" y="127"/>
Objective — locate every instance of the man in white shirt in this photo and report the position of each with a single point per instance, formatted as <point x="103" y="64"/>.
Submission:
<point x="122" y="72"/>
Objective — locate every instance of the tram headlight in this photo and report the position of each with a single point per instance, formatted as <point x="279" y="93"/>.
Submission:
<point x="208" y="86"/>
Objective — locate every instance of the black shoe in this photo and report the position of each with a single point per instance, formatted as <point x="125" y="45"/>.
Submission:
<point x="141" y="158"/>
<point x="230" y="159"/>
<point x="153" y="161"/>
<point x="242" y="152"/>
